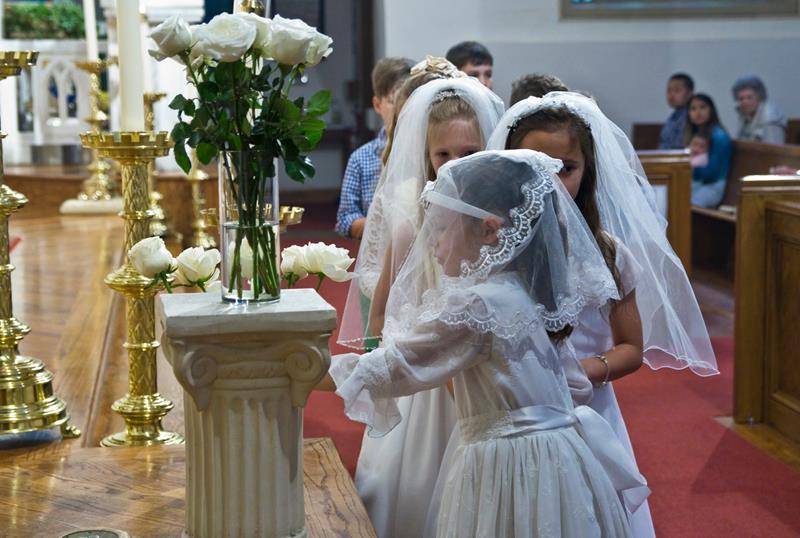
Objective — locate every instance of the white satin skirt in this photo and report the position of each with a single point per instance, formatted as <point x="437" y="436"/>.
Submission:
<point x="605" y="403"/>
<point x="396" y="474"/>
<point x="536" y="474"/>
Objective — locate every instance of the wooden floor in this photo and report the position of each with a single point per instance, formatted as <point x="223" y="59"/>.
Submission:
<point x="78" y="329"/>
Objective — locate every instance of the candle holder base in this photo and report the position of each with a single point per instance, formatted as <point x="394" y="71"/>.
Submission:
<point x="29" y="402"/>
<point x="86" y="207"/>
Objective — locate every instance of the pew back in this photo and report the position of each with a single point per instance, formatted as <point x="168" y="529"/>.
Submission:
<point x="670" y="174"/>
<point x="756" y="158"/>
<point x="793" y="131"/>
<point x="646" y="135"/>
<point x="767" y="283"/>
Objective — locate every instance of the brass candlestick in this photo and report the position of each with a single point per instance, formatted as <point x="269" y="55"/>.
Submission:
<point x="196" y="177"/>
<point x="99" y="185"/>
<point x="143" y="407"/>
<point x="158" y="225"/>
<point x="27" y="401"/>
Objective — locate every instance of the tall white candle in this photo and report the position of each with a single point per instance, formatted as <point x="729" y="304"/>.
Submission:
<point x="131" y="70"/>
<point x="90" y="25"/>
<point x="144" y="27"/>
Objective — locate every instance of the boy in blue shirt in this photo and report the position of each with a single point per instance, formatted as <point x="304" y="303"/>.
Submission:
<point x="679" y="90"/>
<point x="364" y="166"/>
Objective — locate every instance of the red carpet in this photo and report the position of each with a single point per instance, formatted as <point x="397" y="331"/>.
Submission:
<point x="706" y="480"/>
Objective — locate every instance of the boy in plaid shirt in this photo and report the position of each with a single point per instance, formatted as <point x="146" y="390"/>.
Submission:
<point x="364" y="166"/>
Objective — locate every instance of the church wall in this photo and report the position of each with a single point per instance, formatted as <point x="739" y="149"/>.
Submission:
<point x="624" y="64"/>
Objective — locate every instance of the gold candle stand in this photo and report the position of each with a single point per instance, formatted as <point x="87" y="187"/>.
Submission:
<point x="27" y="400"/>
<point x="158" y="225"/>
<point x="143" y="407"/>
<point x="99" y="185"/>
<point x="196" y="177"/>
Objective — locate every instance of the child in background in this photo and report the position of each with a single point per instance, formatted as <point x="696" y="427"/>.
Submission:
<point x="473" y="59"/>
<point x="679" y="90"/>
<point x="364" y="167"/>
<point x="699" y="146"/>
<point x="535" y="85"/>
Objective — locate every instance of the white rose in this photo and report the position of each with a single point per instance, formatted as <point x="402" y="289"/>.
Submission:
<point x="195" y="265"/>
<point x="172" y="37"/>
<point x="226" y="38"/>
<point x="263" y="31"/>
<point x="245" y="257"/>
<point x="293" y="260"/>
<point x="150" y="257"/>
<point x="328" y="260"/>
<point x="294" y="42"/>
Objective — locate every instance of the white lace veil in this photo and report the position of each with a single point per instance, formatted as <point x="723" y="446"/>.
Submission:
<point x="395" y="214"/>
<point x="674" y="332"/>
<point x="455" y="276"/>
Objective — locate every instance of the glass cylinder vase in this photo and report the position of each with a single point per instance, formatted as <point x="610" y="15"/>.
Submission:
<point x="249" y="227"/>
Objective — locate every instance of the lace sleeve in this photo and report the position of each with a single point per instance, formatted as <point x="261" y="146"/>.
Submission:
<point x="427" y="358"/>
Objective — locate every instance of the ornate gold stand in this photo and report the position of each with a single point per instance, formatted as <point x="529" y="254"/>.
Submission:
<point x="158" y="226"/>
<point x="196" y="177"/>
<point x="99" y="184"/>
<point x="27" y="402"/>
<point x="143" y="407"/>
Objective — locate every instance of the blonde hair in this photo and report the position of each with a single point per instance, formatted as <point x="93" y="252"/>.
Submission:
<point x="448" y="106"/>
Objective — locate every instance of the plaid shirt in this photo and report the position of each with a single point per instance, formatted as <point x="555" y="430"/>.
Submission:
<point x="672" y="132"/>
<point x="358" y="186"/>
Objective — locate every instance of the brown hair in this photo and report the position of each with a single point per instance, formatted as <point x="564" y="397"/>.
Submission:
<point x="551" y="120"/>
<point x="535" y="85"/>
<point x="448" y="106"/>
<point x="400" y="97"/>
<point x="387" y="74"/>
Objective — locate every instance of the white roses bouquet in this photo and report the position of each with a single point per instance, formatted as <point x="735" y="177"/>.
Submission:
<point x="243" y="67"/>
<point x="316" y="259"/>
<point x="193" y="267"/>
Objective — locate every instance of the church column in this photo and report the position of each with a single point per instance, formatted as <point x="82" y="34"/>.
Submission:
<point x="247" y="372"/>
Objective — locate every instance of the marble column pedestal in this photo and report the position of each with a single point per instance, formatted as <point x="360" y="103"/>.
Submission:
<point x="247" y="372"/>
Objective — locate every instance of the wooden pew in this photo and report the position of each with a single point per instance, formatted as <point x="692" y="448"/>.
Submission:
<point x="767" y="356"/>
<point x="793" y="131"/>
<point x="646" y="135"/>
<point x="670" y="174"/>
<point x="714" y="238"/>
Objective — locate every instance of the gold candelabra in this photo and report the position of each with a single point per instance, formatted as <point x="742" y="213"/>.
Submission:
<point x="99" y="185"/>
<point x="196" y="177"/>
<point x="142" y="408"/>
<point x="158" y="225"/>
<point x="27" y="400"/>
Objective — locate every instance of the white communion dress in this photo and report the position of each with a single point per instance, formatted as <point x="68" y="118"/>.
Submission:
<point x="593" y="336"/>
<point x="528" y="463"/>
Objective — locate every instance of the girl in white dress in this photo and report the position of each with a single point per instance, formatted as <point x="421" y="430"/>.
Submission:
<point x="658" y="315"/>
<point x="442" y="120"/>
<point x="502" y="260"/>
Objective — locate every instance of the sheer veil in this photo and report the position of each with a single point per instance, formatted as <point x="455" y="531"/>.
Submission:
<point x="395" y="214"/>
<point x="675" y="334"/>
<point x="543" y="245"/>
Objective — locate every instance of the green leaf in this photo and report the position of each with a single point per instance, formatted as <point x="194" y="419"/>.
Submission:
<point x="180" y="132"/>
<point x="293" y="170"/>
<point x="306" y="166"/>
<point x="178" y="102"/>
<point x="206" y="152"/>
<point x="319" y="103"/>
<point x="182" y="158"/>
<point x="289" y="111"/>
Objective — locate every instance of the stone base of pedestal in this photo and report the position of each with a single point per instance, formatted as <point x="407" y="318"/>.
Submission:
<point x="89" y="207"/>
<point x="247" y="371"/>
